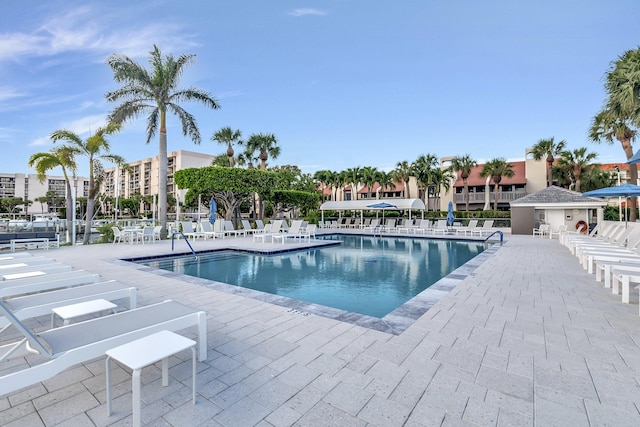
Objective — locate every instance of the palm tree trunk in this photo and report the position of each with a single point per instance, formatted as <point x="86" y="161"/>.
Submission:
<point x="162" y="176"/>
<point x="495" y="196"/>
<point x="466" y="195"/>
<point x="87" y="226"/>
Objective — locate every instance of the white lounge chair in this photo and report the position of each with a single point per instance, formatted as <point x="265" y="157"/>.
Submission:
<point x="33" y="270"/>
<point x="40" y="304"/>
<point x="406" y="227"/>
<point x="472" y="225"/>
<point x="271" y="229"/>
<point x="207" y="229"/>
<point x="308" y="232"/>
<point x="293" y="232"/>
<point x="487" y="228"/>
<point x="542" y="230"/>
<point x="373" y="226"/>
<point x="557" y="231"/>
<point x="189" y="231"/>
<point x="147" y="234"/>
<point x="389" y="225"/>
<point x="79" y="342"/>
<point x="246" y="226"/>
<point x="230" y="229"/>
<point x="441" y="227"/>
<point x="12" y="288"/>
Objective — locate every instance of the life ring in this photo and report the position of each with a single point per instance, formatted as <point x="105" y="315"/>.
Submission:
<point x="582" y="226"/>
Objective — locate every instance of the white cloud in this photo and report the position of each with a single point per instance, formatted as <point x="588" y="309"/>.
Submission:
<point x="39" y="142"/>
<point x="92" y="31"/>
<point x="7" y="94"/>
<point x="85" y="125"/>
<point x="304" y="12"/>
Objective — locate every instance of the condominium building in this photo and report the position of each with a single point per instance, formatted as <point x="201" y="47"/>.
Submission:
<point x="142" y="176"/>
<point x="29" y="187"/>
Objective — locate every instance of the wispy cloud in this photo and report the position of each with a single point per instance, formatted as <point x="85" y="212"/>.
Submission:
<point x="7" y="94"/>
<point x="308" y="11"/>
<point x="40" y="142"/>
<point x="85" y="125"/>
<point x="94" y="31"/>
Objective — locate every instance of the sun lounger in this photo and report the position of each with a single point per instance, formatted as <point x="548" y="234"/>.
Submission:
<point x="76" y="343"/>
<point x="487" y="228"/>
<point x="603" y="269"/>
<point x="33" y="270"/>
<point x="622" y="278"/>
<point x="12" y="288"/>
<point x="270" y="230"/>
<point x="373" y="226"/>
<point x="441" y="227"/>
<point x="246" y="226"/>
<point x="406" y="226"/>
<point x="40" y="304"/>
<point x="189" y="231"/>
<point x="424" y="226"/>
<point x="472" y="225"/>
<point x="207" y="229"/>
<point x="229" y="229"/>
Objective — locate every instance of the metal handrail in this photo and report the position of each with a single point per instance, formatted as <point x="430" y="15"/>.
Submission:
<point x="496" y="232"/>
<point x="173" y="235"/>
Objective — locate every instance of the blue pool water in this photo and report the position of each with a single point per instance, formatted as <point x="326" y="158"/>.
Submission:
<point x="367" y="275"/>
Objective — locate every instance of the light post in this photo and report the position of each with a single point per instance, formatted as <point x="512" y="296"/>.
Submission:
<point x="617" y="169"/>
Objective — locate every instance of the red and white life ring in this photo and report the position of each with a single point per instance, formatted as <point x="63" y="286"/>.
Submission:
<point x="582" y="226"/>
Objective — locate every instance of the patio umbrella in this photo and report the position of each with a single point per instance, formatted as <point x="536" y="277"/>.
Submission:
<point x="382" y="206"/>
<point x="624" y="190"/>
<point x="450" y="216"/>
<point x="634" y="159"/>
<point x="212" y="210"/>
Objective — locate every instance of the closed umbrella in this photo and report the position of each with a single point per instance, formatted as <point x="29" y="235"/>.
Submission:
<point x="450" y="216"/>
<point x="212" y="210"/>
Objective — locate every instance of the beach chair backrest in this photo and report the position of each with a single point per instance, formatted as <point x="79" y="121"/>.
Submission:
<point x="259" y="224"/>
<point x="488" y="223"/>
<point x="26" y="332"/>
<point x="473" y="223"/>
<point x="246" y="225"/>
<point x="187" y="226"/>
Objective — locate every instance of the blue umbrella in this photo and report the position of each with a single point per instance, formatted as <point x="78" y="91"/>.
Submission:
<point x="634" y="159"/>
<point x="624" y="190"/>
<point x="450" y="216"/>
<point x="212" y="210"/>
<point x="382" y="206"/>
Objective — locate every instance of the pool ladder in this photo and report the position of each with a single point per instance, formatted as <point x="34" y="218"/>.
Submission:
<point x="498" y="232"/>
<point x="173" y="235"/>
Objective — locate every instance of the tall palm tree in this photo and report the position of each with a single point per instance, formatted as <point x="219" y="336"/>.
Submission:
<point x="621" y="112"/>
<point x="369" y="179"/>
<point x="155" y="92"/>
<point x="229" y="137"/>
<point x="353" y="177"/>
<point x="323" y="177"/>
<point x="266" y="144"/>
<point x="464" y="164"/>
<point x="64" y="158"/>
<point x="385" y="180"/>
<point x="95" y="148"/>
<point x="402" y="173"/>
<point x="577" y="162"/>
<point x="496" y="169"/>
<point x="548" y="149"/>
<point x="423" y="169"/>
<point x="440" y="178"/>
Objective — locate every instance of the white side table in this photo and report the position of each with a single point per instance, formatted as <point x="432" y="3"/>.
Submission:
<point x="144" y="352"/>
<point x="71" y="311"/>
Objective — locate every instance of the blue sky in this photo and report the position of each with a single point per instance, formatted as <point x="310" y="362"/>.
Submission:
<point x="341" y="83"/>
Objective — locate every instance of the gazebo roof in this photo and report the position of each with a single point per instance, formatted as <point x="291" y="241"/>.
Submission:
<point x="554" y="196"/>
<point x="360" y="205"/>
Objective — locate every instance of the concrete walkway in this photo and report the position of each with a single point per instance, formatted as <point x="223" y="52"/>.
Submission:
<point x="528" y="339"/>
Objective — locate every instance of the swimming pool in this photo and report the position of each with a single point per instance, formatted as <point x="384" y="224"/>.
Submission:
<point x="369" y="275"/>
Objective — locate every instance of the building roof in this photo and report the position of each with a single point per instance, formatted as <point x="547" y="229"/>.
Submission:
<point x="560" y="197"/>
<point x="519" y="177"/>
<point x="358" y="205"/>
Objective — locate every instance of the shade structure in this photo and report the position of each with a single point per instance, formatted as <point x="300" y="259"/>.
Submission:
<point x="212" y="210"/>
<point x="450" y="216"/>
<point x="624" y="190"/>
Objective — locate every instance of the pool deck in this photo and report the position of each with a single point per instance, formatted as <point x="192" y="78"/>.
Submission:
<point x="528" y="338"/>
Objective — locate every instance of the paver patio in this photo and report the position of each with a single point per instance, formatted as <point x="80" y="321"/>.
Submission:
<point x="528" y="339"/>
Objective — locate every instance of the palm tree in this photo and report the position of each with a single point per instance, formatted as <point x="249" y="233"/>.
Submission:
<point x="323" y="178"/>
<point x="440" y="178"/>
<point x="353" y="177"/>
<point x="385" y="180"/>
<point x="155" y="92"/>
<point x="577" y="162"/>
<point x="369" y="179"/>
<point x="464" y="165"/>
<point x="64" y="158"/>
<point x="227" y="136"/>
<point x="548" y="148"/>
<point x="621" y="112"/>
<point x="402" y="173"/>
<point x="95" y="148"/>
<point x="423" y="169"/>
<point x="496" y="169"/>
<point x="266" y="144"/>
